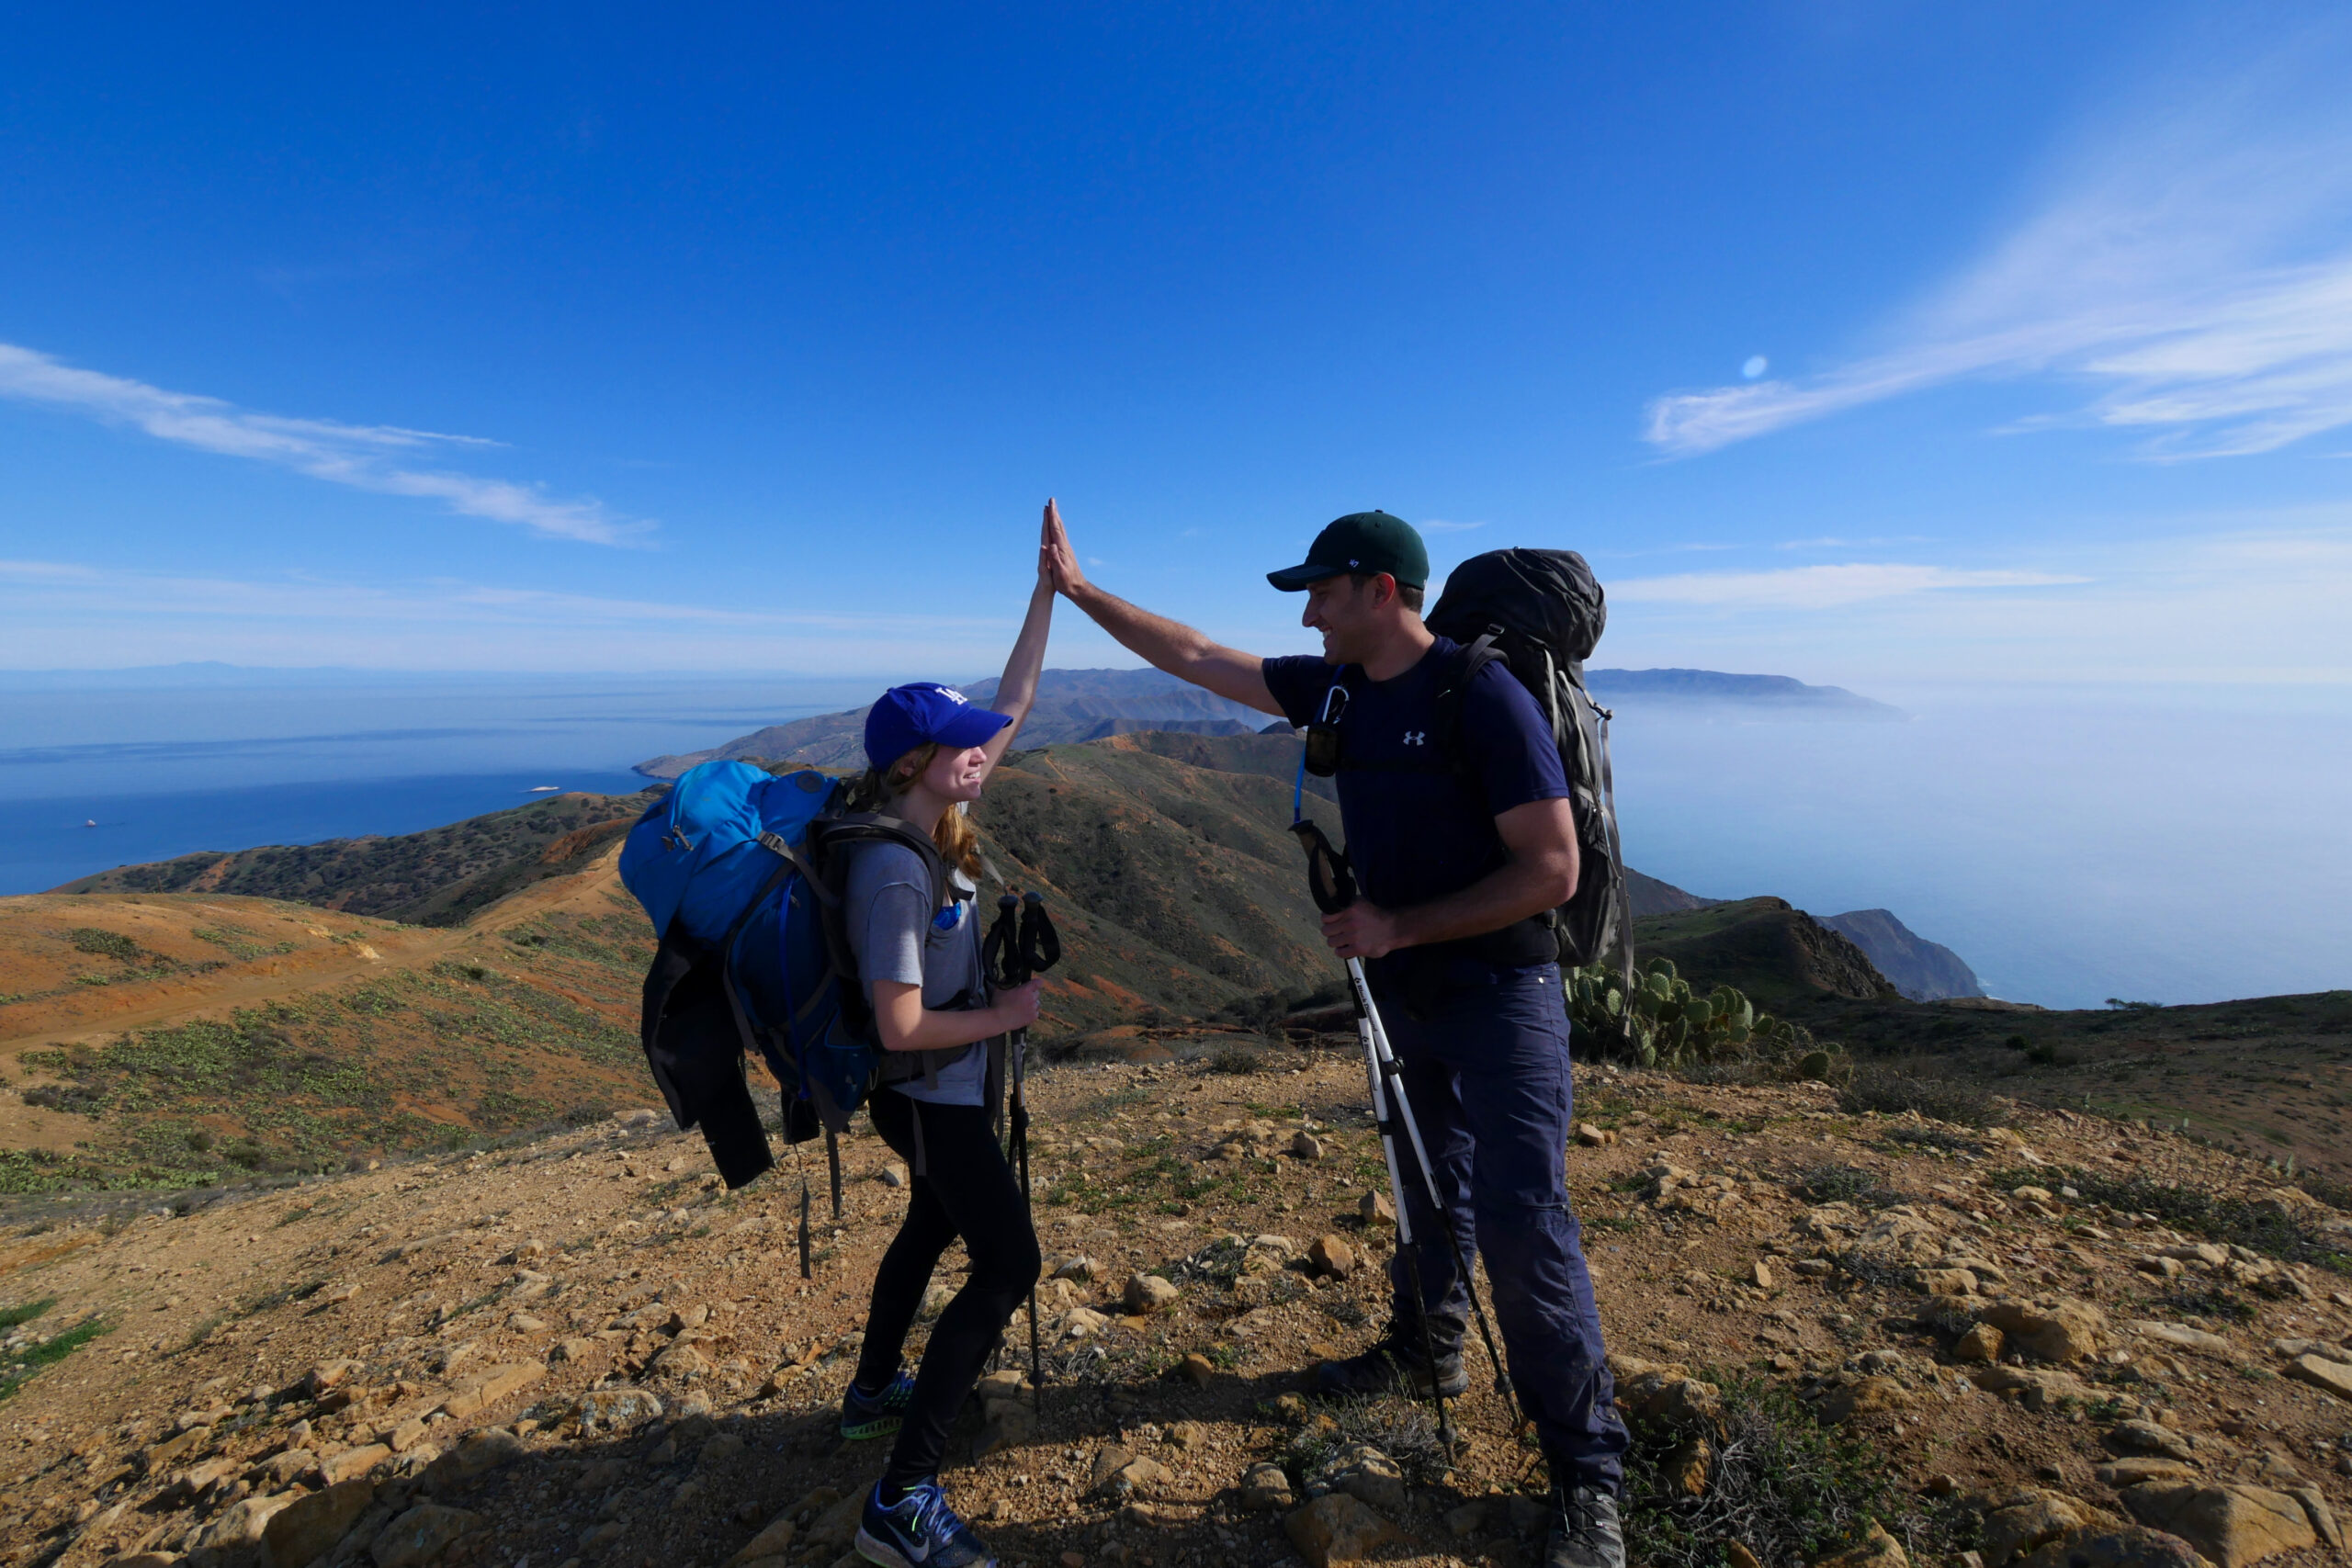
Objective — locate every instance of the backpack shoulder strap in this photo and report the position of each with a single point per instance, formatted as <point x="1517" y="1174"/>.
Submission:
<point x="830" y="835"/>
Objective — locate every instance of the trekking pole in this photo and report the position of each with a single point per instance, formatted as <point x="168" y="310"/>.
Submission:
<point x="1041" y="948"/>
<point x="1016" y="946"/>
<point x="1333" y="886"/>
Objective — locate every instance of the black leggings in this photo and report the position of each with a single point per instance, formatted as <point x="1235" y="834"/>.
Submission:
<point x="964" y="1189"/>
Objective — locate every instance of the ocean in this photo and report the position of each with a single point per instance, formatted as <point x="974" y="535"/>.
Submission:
<point x="96" y="773"/>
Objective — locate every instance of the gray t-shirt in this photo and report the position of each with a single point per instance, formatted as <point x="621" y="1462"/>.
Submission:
<point x="895" y="935"/>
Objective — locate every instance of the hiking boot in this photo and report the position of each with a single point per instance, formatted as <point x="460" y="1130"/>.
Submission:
<point x="877" y="1415"/>
<point x="921" y="1531"/>
<point x="1395" y="1358"/>
<point x="1585" y="1530"/>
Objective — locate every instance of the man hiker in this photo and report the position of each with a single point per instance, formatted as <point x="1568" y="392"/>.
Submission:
<point x="1456" y="810"/>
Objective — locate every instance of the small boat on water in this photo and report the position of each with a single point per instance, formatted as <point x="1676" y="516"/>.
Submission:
<point x="89" y="821"/>
<point x="544" y="789"/>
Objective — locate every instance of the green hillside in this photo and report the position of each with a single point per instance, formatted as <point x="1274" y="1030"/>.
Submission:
<point x="439" y="877"/>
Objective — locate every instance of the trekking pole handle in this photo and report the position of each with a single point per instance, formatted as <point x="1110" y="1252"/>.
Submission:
<point x="1001" y="955"/>
<point x="1328" y="876"/>
<point x="1041" y="944"/>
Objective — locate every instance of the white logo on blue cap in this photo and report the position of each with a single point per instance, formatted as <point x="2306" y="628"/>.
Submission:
<point x="953" y="695"/>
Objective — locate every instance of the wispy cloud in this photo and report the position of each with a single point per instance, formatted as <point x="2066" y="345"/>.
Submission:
<point x="66" y="613"/>
<point x="2190" y="262"/>
<point x="378" y="458"/>
<point x="1816" y="587"/>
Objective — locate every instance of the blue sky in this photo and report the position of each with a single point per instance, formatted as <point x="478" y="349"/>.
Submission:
<point x="1875" y="344"/>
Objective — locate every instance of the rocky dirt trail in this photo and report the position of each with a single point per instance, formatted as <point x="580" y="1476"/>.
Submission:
<point x="580" y="1351"/>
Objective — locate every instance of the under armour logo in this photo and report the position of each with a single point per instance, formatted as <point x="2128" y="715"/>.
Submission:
<point x="1416" y="737"/>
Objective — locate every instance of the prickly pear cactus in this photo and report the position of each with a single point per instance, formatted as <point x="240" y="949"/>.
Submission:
<point x="1660" y="1022"/>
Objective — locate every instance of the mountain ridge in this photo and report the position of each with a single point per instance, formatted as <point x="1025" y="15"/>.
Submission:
<point x="1087" y="704"/>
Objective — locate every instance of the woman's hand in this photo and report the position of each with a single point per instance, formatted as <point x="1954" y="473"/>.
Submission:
<point x="1056" y="561"/>
<point x="1016" y="1006"/>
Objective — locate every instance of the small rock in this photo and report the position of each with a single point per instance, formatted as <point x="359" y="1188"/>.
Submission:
<point x="1864" y="1396"/>
<point x="1265" y="1488"/>
<point x="1123" y="1474"/>
<point x="836" y="1526"/>
<point x="2125" y="1472"/>
<point x="2315" y="1508"/>
<point x="1878" y="1549"/>
<point x="2016" y="1529"/>
<point x="1306" y="1146"/>
<point x="1736" y="1555"/>
<point x="1331" y="1255"/>
<point x="2148" y="1437"/>
<point x="353" y="1462"/>
<point x="1009" y="1424"/>
<point x="478" y="1455"/>
<point x="2052" y="1330"/>
<point x="308" y="1527"/>
<point x="1081" y="1268"/>
<point x="420" y="1535"/>
<point x="325" y="1376"/>
<point x="1979" y="1346"/>
<point x="1374" y="1209"/>
<point x="571" y="1349"/>
<point x="892" y="1174"/>
<point x="1594" y="1137"/>
<point x="773" y="1541"/>
<point x="617" y="1409"/>
<point x="2335" y="1377"/>
<point x="1196" y="1368"/>
<point x="1148" y="1294"/>
<point x="2115" y="1546"/>
<point x="1688" y="1466"/>
<point x="1363" y="1473"/>
<point x="2231" y="1525"/>
<point x="1760" y="1274"/>
<point x="524" y="1322"/>
<point x="1337" y="1529"/>
<point x="1187" y="1435"/>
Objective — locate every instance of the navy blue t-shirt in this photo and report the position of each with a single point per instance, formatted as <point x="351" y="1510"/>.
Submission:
<point x="1418" y="833"/>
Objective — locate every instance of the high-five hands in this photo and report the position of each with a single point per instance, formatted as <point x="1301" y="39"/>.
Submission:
<point x="1056" y="561"/>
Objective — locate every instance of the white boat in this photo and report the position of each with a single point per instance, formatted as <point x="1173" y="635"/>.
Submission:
<point x="89" y="821"/>
<point x="534" y="789"/>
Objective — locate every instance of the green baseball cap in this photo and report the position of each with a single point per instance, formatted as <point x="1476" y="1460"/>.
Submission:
<point x="1360" y="542"/>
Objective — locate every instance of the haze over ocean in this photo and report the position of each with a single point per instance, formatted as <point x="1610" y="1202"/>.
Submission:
<point x="2067" y="844"/>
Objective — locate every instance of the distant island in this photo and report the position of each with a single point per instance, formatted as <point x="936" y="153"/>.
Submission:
<point x="1696" y="687"/>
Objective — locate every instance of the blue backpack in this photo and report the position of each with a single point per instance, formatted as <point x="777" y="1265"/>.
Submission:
<point x="740" y="872"/>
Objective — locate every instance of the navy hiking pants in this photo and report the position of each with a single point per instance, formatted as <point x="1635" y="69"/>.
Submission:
<point x="1486" y="1070"/>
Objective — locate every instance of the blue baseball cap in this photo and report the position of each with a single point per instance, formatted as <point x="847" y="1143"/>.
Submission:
<point x="907" y="717"/>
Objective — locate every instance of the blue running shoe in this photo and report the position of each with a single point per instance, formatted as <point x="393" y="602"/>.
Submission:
<point x="922" y="1531"/>
<point x="876" y="1415"/>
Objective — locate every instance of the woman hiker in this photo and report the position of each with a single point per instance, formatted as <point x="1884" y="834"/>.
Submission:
<point x="918" y="951"/>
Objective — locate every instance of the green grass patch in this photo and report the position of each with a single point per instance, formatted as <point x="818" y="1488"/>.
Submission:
<point x="1782" y="1485"/>
<point x="21" y="1367"/>
<point x="17" y="1316"/>
<point x="2289" y="1237"/>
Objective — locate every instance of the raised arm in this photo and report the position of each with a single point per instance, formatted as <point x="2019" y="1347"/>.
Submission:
<point x="1160" y="642"/>
<point x="1016" y="692"/>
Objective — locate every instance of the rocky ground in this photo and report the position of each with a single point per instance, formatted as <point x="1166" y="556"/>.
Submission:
<point x="581" y="1350"/>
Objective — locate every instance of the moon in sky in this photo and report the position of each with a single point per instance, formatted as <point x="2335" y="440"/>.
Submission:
<point x="1753" y="367"/>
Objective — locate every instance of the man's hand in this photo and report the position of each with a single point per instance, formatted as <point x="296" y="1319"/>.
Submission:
<point x="1056" y="561"/>
<point x="1362" y="931"/>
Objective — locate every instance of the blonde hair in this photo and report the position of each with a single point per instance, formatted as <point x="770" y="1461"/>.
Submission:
<point x="957" y="840"/>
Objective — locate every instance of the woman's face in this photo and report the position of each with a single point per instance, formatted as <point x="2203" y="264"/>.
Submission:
<point x="957" y="775"/>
